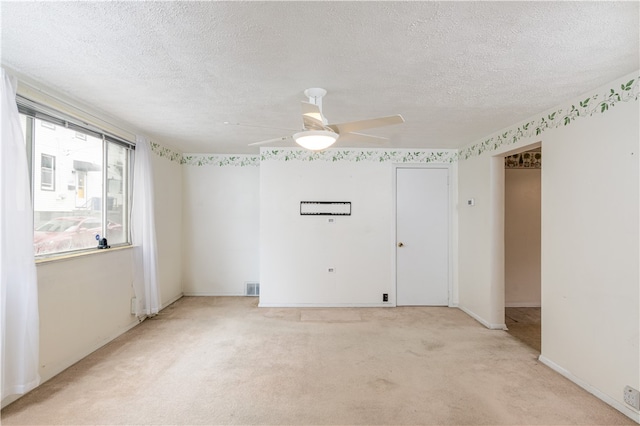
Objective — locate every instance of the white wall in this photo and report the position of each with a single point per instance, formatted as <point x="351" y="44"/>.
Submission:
<point x="477" y="295"/>
<point x="231" y="203"/>
<point x="590" y="251"/>
<point x="522" y="238"/>
<point x="220" y="232"/>
<point x="167" y="175"/>
<point x="84" y="303"/>
<point x="297" y="251"/>
<point x="85" y="300"/>
<point x="590" y="237"/>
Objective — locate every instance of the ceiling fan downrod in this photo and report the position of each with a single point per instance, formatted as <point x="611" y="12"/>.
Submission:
<point x="315" y="95"/>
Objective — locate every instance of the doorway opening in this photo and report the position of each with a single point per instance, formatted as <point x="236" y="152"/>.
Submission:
<point x="522" y="245"/>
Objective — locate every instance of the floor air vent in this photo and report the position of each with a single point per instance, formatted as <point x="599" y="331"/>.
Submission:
<point x="253" y="289"/>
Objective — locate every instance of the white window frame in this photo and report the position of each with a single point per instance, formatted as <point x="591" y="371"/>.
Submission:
<point x="51" y="118"/>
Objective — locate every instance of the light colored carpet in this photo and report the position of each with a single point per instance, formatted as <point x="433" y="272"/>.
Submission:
<point x="330" y="315"/>
<point x="208" y="360"/>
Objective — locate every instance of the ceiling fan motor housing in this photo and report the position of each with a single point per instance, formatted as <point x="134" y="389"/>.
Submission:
<point x="315" y="95"/>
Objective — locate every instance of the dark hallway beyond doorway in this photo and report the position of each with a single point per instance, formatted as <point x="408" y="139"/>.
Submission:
<point x="524" y="325"/>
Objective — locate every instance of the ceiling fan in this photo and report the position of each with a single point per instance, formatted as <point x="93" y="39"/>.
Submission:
<point x="317" y="134"/>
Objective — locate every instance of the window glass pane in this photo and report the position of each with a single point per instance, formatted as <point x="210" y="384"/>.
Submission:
<point x="67" y="216"/>
<point x="47" y="172"/>
<point x="117" y="193"/>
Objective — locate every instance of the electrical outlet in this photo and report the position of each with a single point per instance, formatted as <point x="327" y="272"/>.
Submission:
<point x="385" y="297"/>
<point x="632" y="397"/>
<point x="331" y="270"/>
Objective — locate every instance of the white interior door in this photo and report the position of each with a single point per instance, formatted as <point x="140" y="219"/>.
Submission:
<point x="422" y="236"/>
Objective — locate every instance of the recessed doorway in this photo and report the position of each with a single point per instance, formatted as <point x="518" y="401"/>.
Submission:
<point x="522" y="245"/>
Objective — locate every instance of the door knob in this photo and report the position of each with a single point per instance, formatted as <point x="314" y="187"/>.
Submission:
<point x="400" y="245"/>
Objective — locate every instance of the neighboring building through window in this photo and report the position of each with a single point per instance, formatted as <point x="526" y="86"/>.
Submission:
<point x="93" y="197"/>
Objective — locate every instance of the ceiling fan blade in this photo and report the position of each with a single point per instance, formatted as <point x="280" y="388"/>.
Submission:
<point x="354" y="126"/>
<point x="312" y="118"/>
<point x="269" y="141"/>
<point x="358" y="139"/>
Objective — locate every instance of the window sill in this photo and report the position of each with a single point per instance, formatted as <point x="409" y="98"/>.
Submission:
<point x="69" y="256"/>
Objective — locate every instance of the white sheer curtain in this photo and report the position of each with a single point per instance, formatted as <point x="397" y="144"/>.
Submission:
<point x="20" y="322"/>
<point x="143" y="232"/>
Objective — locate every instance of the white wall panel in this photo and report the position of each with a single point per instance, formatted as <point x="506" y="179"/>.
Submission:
<point x="221" y="208"/>
<point x="296" y="252"/>
<point x="590" y="237"/>
<point x="168" y="211"/>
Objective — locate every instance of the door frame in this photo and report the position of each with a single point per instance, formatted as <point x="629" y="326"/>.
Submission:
<point x="452" y="226"/>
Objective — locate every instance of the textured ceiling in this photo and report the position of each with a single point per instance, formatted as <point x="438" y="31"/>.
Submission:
<point x="456" y="71"/>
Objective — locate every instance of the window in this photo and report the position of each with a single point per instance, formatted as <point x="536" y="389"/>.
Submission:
<point x="94" y="168"/>
<point x="47" y="172"/>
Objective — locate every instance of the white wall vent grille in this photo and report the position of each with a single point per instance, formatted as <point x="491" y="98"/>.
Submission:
<point x="253" y="289"/>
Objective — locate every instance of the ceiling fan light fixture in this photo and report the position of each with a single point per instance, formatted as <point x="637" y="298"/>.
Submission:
<point x="315" y="140"/>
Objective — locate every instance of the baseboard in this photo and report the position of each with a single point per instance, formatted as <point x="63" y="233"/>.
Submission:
<point x="326" y="305"/>
<point x="11" y="399"/>
<point x="632" y="414"/>
<point x="173" y="300"/>
<point x="211" y="294"/>
<point x="482" y="320"/>
<point x="63" y="365"/>
<point x="522" y="305"/>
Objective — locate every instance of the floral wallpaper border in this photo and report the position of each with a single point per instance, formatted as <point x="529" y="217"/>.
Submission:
<point x="164" y="152"/>
<point x="220" y="160"/>
<point x="594" y="104"/>
<point x="204" y="159"/>
<point x="360" y="155"/>
<point x="293" y="154"/>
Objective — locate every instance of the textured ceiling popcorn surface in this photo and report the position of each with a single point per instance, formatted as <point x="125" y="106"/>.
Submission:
<point x="457" y="71"/>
